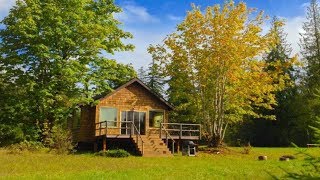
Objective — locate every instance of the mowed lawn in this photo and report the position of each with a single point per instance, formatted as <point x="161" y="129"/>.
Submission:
<point x="229" y="165"/>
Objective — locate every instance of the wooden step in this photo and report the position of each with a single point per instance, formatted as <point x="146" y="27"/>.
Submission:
<point x="153" y="146"/>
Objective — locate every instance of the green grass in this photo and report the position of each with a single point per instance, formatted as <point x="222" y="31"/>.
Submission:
<point x="229" y="165"/>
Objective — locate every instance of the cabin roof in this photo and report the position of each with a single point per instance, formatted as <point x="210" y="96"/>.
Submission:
<point x="136" y="80"/>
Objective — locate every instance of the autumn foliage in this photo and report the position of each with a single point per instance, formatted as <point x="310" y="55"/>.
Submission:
<point x="215" y="66"/>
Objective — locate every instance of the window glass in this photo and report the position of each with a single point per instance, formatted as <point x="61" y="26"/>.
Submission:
<point x="110" y="115"/>
<point x="155" y="118"/>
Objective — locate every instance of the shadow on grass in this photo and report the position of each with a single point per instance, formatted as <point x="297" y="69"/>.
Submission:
<point x="310" y="168"/>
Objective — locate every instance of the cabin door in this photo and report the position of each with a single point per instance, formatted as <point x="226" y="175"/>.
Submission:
<point x="138" y="119"/>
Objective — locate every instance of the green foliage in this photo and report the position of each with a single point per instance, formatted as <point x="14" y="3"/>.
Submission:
<point x="31" y="146"/>
<point x="50" y="59"/>
<point x="310" y="44"/>
<point x="60" y="140"/>
<point x="10" y="134"/>
<point x="117" y="153"/>
<point x="152" y="78"/>
<point x="215" y="76"/>
<point x="247" y="149"/>
<point x="315" y="115"/>
<point x="310" y="170"/>
<point x="316" y="130"/>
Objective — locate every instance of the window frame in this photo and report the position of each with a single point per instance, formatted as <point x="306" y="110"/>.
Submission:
<point x="109" y="124"/>
<point x="163" y="118"/>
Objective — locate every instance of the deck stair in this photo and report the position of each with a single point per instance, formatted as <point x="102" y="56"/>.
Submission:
<point x="153" y="146"/>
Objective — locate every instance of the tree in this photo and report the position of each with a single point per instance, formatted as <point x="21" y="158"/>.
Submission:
<point x="215" y="56"/>
<point x="50" y="52"/>
<point x="310" y="44"/>
<point x="152" y="78"/>
<point x="314" y="103"/>
<point x="277" y="133"/>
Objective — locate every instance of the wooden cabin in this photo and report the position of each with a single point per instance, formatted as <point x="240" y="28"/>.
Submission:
<point x="134" y="118"/>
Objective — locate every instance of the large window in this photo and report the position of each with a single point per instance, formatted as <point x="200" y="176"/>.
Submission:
<point x="109" y="115"/>
<point x="155" y="118"/>
<point x="138" y="118"/>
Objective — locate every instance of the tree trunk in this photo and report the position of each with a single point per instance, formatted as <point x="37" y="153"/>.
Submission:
<point x="215" y="141"/>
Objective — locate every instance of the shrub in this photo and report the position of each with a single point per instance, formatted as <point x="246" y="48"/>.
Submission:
<point x="10" y="134"/>
<point x="60" y="140"/>
<point x="30" y="146"/>
<point x="117" y="153"/>
<point x="247" y="149"/>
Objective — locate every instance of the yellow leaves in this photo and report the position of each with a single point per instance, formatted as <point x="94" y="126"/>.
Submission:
<point x="215" y="52"/>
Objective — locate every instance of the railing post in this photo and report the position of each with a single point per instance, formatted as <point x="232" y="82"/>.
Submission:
<point x="106" y="128"/>
<point x="200" y="131"/>
<point x="180" y="135"/>
<point x="131" y="129"/>
<point x="142" y="148"/>
<point x="167" y="139"/>
<point x="99" y="128"/>
<point x="172" y="147"/>
<point x="160" y="130"/>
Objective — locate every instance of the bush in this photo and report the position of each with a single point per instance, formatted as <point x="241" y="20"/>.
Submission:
<point x="247" y="149"/>
<point x="117" y="153"/>
<point x="60" y="140"/>
<point x="10" y="135"/>
<point x="31" y="146"/>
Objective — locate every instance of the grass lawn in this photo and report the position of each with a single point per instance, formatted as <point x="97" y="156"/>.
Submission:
<point x="228" y="165"/>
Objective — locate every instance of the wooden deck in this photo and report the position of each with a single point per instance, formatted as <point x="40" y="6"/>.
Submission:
<point x="173" y="131"/>
<point x="126" y="136"/>
<point x="196" y="138"/>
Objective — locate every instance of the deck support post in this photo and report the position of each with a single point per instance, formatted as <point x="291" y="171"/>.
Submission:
<point x="104" y="147"/>
<point x="95" y="146"/>
<point x="180" y="136"/>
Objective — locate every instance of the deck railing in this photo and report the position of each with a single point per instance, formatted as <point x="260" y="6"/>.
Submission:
<point x="167" y="135"/>
<point x="181" y="129"/>
<point x="102" y="128"/>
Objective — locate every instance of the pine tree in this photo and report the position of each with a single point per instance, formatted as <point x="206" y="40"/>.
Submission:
<point x="152" y="78"/>
<point x="310" y="44"/>
<point x="314" y="103"/>
<point x="280" y="53"/>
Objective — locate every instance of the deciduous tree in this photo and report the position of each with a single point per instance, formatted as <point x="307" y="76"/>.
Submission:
<point x="51" y="49"/>
<point x="214" y="63"/>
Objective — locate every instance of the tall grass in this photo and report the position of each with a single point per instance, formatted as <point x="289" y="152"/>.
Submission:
<point x="229" y="165"/>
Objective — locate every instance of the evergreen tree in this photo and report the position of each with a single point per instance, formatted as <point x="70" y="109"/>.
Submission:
<point x="310" y="44"/>
<point x="280" y="54"/>
<point x="152" y="78"/>
<point x="315" y="115"/>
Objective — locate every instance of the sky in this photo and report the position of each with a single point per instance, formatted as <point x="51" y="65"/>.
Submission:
<point x="151" y="20"/>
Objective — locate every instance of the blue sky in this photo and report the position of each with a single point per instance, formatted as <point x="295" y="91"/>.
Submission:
<point x="151" y="20"/>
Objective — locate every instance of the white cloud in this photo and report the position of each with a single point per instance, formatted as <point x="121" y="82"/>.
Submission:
<point x="133" y="13"/>
<point x="293" y="28"/>
<point x="174" y="18"/>
<point x="142" y="39"/>
<point x="5" y="6"/>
